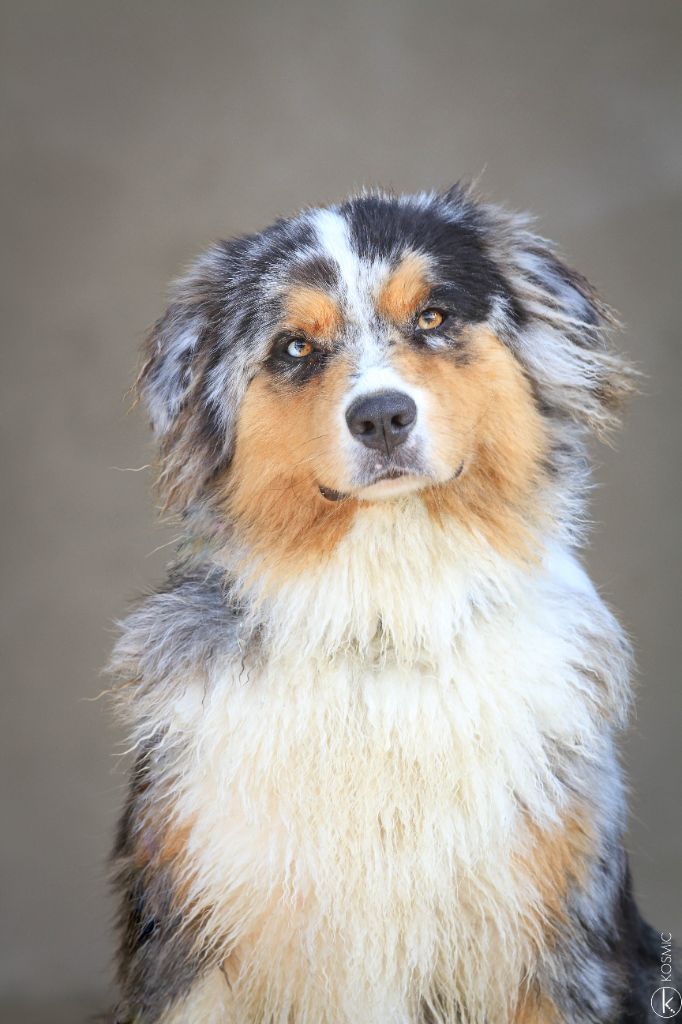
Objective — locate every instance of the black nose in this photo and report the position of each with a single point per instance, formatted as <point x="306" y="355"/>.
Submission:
<point x="382" y="420"/>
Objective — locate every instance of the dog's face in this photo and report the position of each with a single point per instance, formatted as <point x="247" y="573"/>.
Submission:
<point x="379" y="378"/>
<point x="364" y="352"/>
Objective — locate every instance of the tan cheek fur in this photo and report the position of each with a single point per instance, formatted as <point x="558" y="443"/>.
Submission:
<point x="481" y="412"/>
<point x="287" y="445"/>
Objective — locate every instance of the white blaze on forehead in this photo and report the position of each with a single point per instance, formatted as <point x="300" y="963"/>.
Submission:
<point x="357" y="276"/>
<point x="360" y="280"/>
<point x="332" y="231"/>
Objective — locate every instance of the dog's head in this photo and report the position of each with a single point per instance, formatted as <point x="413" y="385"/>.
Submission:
<point x="387" y="346"/>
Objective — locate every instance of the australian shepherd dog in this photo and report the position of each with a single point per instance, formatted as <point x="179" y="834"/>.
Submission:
<point x="375" y="707"/>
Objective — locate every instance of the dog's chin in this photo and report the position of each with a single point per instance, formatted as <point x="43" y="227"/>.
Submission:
<point x="391" y="485"/>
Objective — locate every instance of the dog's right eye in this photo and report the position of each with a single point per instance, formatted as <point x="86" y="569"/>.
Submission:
<point x="299" y="348"/>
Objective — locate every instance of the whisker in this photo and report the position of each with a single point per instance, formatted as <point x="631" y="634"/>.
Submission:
<point x="162" y="546"/>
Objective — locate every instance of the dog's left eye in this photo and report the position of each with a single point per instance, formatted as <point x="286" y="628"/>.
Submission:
<point x="299" y="348"/>
<point x="430" y="318"/>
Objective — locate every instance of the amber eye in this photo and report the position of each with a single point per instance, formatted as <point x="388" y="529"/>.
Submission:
<point x="299" y="348"/>
<point x="430" y="318"/>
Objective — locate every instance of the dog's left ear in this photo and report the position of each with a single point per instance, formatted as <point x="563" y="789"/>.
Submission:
<point x="563" y="332"/>
<point x="189" y="413"/>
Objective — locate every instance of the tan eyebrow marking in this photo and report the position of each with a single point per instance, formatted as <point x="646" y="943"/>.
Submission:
<point x="406" y="288"/>
<point x="312" y="311"/>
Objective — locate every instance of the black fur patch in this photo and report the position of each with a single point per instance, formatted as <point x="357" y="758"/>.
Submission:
<point x="316" y="272"/>
<point x="607" y="955"/>
<point x="380" y="228"/>
<point x="157" y="960"/>
<point x="638" y="947"/>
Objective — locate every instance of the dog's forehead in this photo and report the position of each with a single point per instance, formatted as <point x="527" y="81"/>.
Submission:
<point x="359" y="276"/>
<point x="378" y="255"/>
<point x="353" y="299"/>
<point x="323" y="257"/>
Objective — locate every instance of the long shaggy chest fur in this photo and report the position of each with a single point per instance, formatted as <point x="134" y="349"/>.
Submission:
<point x="359" y="814"/>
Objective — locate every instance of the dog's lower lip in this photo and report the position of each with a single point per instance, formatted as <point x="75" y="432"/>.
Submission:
<point x="392" y="474"/>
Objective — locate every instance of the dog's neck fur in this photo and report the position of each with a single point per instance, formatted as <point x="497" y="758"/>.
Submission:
<point x="399" y="586"/>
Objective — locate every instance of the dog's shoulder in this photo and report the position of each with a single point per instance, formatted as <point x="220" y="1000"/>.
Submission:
<point x="181" y="629"/>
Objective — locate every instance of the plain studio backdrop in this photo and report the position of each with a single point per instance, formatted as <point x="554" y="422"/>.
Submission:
<point x="133" y="134"/>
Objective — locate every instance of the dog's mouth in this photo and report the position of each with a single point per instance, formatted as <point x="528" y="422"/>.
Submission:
<point x="387" y="476"/>
<point x="390" y="474"/>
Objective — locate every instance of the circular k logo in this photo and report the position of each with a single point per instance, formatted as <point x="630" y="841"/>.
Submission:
<point x="666" y="1002"/>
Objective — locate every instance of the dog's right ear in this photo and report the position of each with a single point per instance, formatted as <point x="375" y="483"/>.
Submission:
<point x="188" y="420"/>
<point x="165" y="379"/>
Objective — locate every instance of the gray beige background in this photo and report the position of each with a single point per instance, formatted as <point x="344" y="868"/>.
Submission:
<point x="132" y="134"/>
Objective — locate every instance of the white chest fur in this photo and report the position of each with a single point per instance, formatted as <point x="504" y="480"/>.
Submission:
<point x="355" y="801"/>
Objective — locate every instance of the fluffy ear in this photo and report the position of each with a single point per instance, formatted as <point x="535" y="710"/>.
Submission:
<point x="191" y="425"/>
<point x="563" y="333"/>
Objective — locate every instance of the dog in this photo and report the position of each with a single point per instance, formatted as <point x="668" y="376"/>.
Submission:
<point x="375" y="706"/>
